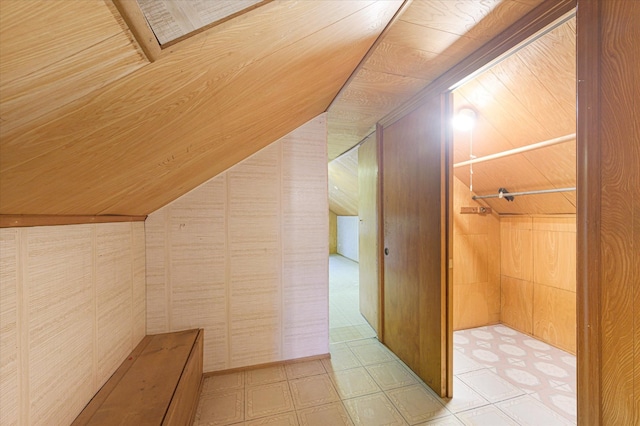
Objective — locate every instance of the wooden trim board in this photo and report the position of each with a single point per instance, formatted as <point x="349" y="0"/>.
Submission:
<point x="20" y="221"/>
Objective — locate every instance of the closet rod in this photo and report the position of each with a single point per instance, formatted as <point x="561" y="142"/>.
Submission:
<point x="525" y="148"/>
<point x="515" y="194"/>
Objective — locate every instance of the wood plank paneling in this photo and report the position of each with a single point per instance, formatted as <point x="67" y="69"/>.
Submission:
<point x="245" y="256"/>
<point x="333" y="232"/>
<point x="50" y="58"/>
<point x="516" y="256"/>
<point x="541" y="300"/>
<point x="192" y="114"/>
<point x="305" y="264"/>
<point x="554" y="254"/>
<point x="476" y="263"/>
<point x="554" y="316"/>
<point x="9" y="337"/>
<point x="66" y="307"/>
<point x="516" y="307"/>
<point x="59" y="304"/>
<point x="368" y="247"/>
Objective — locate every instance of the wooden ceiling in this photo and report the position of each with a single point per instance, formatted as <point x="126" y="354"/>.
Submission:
<point x="88" y="125"/>
<point x="428" y="38"/>
<point x="528" y="97"/>
<point x="343" y="184"/>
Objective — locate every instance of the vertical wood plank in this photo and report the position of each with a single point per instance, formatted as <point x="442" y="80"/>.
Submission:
<point x="155" y="253"/>
<point x="9" y="332"/>
<point x="255" y="267"/>
<point x="305" y="268"/>
<point x="138" y="290"/>
<point x="369" y="238"/>
<point x="516" y="259"/>
<point x="113" y="297"/>
<point x="60" y="322"/>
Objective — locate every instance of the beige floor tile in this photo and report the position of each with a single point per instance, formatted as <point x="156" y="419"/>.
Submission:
<point x="333" y="414"/>
<point x="283" y="419"/>
<point x="486" y="416"/>
<point x="390" y="375"/>
<point x="353" y="382"/>
<point x="490" y="386"/>
<point x="443" y="421"/>
<point x="295" y="370"/>
<point x="464" y="398"/>
<point x="312" y="390"/>
<point x="416" y="404"/>
<point x="220" y="408"/>
<point x="528" y="411"/>
<point x="341" y="359"/>
<point x="373" y="410"/>
<point x="222" y="382"/>
<point x="363" y="342"/>
<point x="262" y="376"/>
<point x="372" y="354"/>
<point x="267" y="400"/>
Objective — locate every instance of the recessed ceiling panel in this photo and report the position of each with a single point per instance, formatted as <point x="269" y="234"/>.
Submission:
<point x="171" y="20"/>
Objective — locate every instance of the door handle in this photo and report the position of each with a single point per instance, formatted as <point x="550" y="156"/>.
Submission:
<point x="386" y="251"/>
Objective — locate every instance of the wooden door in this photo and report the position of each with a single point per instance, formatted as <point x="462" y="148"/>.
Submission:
<point x="414" y="179"/>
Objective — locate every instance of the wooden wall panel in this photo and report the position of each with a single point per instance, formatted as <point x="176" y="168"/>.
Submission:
<point x="139" y="302"/>
<point x="245" y="256"/>
<point x="554" y="316"/>
<point x="9" y="332"/>
<point x="255" y="259"/>
<point x="305" y="263"/>
<point x="476" y="263"/>
<point x="539" y="277"/>
<point x="369" y="238"/>
<point x="516" y="307"/>
<point x="58" y="297"/>
<point x="516" y="257"/>
<point x="66" y="307"/>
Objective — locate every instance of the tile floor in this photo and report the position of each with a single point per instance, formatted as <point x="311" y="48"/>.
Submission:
<point x="345" y="321"/>
<point x="501" y="377"/>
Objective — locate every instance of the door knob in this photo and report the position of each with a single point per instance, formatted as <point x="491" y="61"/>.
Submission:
<point x="386" y="251"/>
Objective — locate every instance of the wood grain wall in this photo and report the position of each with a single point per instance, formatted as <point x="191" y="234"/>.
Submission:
<point x="538" y="272"/>
<point x="72" y="307"/>
<point x="608" y="212"/>
<point x="245" y="256"/>
<point x="476" y="263"/>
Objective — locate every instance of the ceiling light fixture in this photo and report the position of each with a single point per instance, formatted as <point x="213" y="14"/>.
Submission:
<point x="464" y="120"/>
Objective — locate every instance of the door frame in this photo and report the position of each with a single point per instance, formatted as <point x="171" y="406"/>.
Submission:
<point x="521" y="32"/>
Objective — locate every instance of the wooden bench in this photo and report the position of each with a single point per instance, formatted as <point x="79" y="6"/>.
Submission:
<point x="158" y="384"/>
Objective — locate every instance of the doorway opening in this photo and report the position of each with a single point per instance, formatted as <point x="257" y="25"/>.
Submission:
<point x="346" y="322"/>
<point x="514" y="230"/>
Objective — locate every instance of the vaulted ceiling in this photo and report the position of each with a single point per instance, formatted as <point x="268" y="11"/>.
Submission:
<point x="90" y="125"/>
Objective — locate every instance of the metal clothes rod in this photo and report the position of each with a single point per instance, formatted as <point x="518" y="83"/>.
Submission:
<point x="515" y="194"/>
<point x="514" y="151"/>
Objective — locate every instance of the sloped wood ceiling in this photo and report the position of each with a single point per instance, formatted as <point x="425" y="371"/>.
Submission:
<point x="528" y="97"/>
<point x="88" y="126"/>
<point x="428" y="38"/>
<point x="343" y="184"/>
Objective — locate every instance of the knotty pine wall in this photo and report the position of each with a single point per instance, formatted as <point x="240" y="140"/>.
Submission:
<point x="245" y="256"/>
<point x="72" y="307"/>
<point x="538" y="268"/>
<point x="476" y="263"/>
